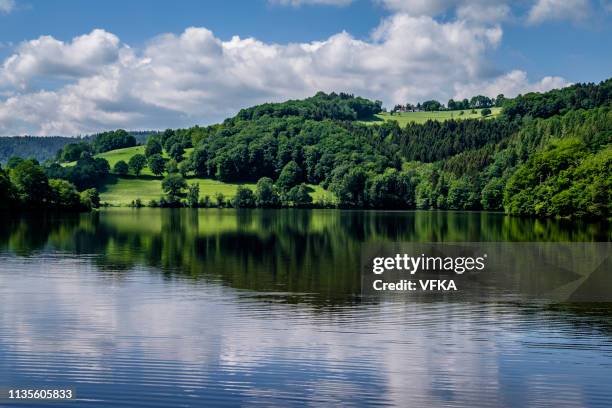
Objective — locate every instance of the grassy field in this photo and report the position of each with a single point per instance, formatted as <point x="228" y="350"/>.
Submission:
<point x="126" y="189"/>
<point x="125" y="154"/>
<point x="403" y="118"/>
<point x="114" y="156"/>
<point x="123" y="190"/>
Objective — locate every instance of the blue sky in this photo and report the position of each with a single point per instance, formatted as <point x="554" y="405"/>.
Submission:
<point x="71" y="67"/>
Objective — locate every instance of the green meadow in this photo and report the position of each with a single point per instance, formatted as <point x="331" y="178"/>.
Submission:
<point x="120" y="191"/>
<point x="403" y="118"/>
<point x="123" y="190"/>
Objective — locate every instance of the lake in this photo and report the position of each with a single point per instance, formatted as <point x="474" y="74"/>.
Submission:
<point x="157" y="307"/>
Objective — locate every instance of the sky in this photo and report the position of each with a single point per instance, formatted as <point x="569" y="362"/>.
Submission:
<point x="73" y="67"/>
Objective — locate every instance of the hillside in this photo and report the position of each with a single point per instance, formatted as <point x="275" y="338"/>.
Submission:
<point x="123" y="190"/>
<point x="114" y="156"/>
<point x="539" y="155"/>
<point x="44" y="148"/>
<point x="39" y="148"/>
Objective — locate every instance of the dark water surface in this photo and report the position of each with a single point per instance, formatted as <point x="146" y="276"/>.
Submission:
<point x="221" y="307"/>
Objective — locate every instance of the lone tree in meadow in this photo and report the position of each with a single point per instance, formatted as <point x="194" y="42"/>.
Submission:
<point x="157" y="164"/>
<point x="137" y="163"/>
<point x="121" y="168"/>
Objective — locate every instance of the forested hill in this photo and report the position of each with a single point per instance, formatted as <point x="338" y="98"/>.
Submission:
<point x="39" y="148"/>
<point x="560" y="101"/>
<point x="44" y="148"/>
<point x="321" y="106"/>
<point x="545" y="155"/>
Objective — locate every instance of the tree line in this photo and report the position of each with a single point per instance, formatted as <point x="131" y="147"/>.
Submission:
<point x="39" y="148"/>
<point x="334" y="106"/>
<point x="560" y="101"/>
<point x="432" y="105"/>
<point x="25" y="185"/>
<point x="45" y="148"/>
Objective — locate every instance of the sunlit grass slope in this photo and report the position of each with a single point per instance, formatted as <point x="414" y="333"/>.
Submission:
<point x="122" y="190"/>
<point x="126" y="189"/>
<point x="404" y="118"/>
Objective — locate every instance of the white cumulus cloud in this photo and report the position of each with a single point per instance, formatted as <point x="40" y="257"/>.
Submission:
<point x="511" y="84"/>
<point x="573" y="10"/>
<point x="48" y="57"/>
<point x="195" y="77"/>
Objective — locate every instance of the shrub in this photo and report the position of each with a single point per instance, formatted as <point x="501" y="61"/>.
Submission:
<point x="298" y="196"/>
<point x="244" y="198"/>
<point x="193" y="195"/>
<point x="205" y="202"/>
<point x="220" y="200"/>
<point x="137" y="203"/>
<point x="90" y="198"/>
<point x="63" y="194"/>
<point x="266" y="194"/>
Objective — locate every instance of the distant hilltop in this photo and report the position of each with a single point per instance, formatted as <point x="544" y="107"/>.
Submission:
<point x="44" y="148"/>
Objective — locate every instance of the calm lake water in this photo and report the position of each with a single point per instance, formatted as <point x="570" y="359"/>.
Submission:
<point x="221" y="307"/>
